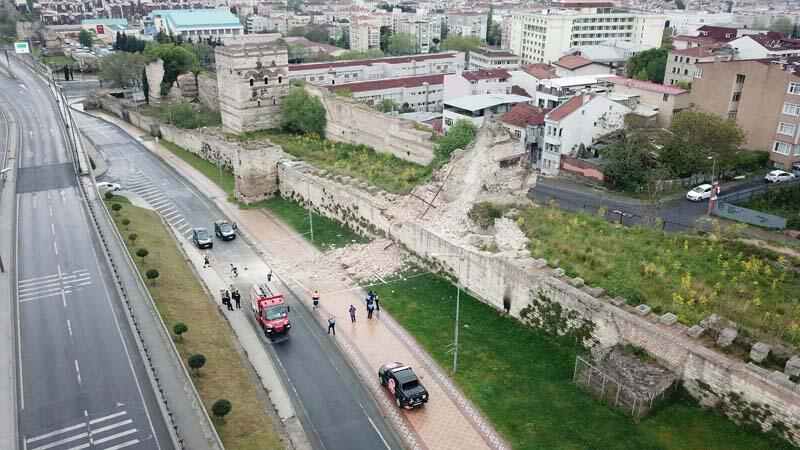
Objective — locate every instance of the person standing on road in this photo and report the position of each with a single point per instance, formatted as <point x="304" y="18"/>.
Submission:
<point x="332" y="325"/>
<point x="377" y="301"/>
<point x="269" y="275"/>
<point x="352" y="313"/>
<point x="315" y="299"/>
<point x="234" y="270"/>
<point x="206" y="262"/>
<point x="370" y="309"/>
<point x="237" y="297"/>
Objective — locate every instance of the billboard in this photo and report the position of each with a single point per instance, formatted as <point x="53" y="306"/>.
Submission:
<point x="100" y="29"/>
<point x="21" y="47"/>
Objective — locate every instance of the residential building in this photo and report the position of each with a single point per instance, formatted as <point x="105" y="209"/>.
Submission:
<point x="545" y="35"/>
<point x="198" y="23"/>
<point x="427" y="31"/>
<point x="763" y="96"/>
<point x="681" y="63"/>
<point x="666" y="100"/>
<point x="490" y="57"/>
<point x="421" y="93"/>
<point x="365" y="33"/>
<point x="765" y="45"/>
<point x="552" y="92"/>
<point x="687" y="22"/>
<point x="614" y="53"/>
<point x="342" y="72"/>
<point x="476" y="108"/>
<point x="577" y="65"/>
<point x="526" y="123"/>
<point x="257" y="24"/>
<point x="463" y="23"/>
<point x="476" y="82"/>
<point x="578" y="122"/>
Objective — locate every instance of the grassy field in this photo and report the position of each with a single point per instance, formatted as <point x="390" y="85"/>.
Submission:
<point x="781" y="202"/>
<point x="328" y="234"/>
<point x="206" y="168"/>
<point x="688" y="275"/>
<point x="522" y="380"/>
<point x="383" y="170"/>
<point x="180" y="298"/>
<point x="183" y="115"/>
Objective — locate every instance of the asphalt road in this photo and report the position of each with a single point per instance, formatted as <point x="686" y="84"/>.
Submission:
<point x="678" y="215"/>
<point x="81" y="381"/>
<point x="334" y="407"/>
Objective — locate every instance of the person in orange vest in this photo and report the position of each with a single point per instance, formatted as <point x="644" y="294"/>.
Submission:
<point x="315" y="299"/>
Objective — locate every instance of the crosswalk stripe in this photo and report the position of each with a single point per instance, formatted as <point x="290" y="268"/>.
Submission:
<point x="147" y="190"/>
<point x="22" y="300"/>
<point x="164" y="210"/>
<point x="112" y="426"/>
<point x="124" y="444"/>
<point x="110" y="416"/>
<point x="114" y="436"/>
<point x="54" y="433"/>
<point x="172" y="214"/>
<point x="62" y="441"/>
<point x="31" y="280"/>
<point x="28" y="294"/>
<point x="36" y="288"/>
<point x="178" y="223"/>
<point x="77" y="280"/>
<point x="80" y="447"/>
<point x="159" y="203"/>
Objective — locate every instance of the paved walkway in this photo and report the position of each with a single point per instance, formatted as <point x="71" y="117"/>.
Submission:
<point x="448" y="421"/>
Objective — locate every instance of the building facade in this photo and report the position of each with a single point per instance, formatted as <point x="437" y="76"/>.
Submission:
<point x="463" y="23"/>
<point x="365" y="33"/>
<point x="681" y="64"/>
<point x="199" y="23"/>
<point x="489" y="58"/>
<point x="666" y="100"/>
<point x="426" y="30"/>
<point x="476" y="82"/>
<point x="477" y="108"/>
<point x="422" y="93"/>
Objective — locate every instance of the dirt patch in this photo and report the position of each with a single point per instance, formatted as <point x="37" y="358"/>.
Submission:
<point x="374" y="260"/>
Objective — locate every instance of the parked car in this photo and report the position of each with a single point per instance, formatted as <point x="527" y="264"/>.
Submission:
<point x="202" y="238"/>
<point x="403" y="384"/>
<point x="109" y="186"/>
<point x="224" y="230"/>
<point x="700" y="193"/>
<point x="779" y="175"/>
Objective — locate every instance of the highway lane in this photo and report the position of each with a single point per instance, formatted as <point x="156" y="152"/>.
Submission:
<point x="81" y="381"/>
<point x="333" y="405"/>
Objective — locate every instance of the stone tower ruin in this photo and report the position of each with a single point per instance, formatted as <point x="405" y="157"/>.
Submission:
<point x="253" y="80"/>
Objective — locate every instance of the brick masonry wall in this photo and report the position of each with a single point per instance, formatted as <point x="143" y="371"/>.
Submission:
<point x="708" y="375"/>
<point x="207" y="91"/>
<point x="352" y="121"/>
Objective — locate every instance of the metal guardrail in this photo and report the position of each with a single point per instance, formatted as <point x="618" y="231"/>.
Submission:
<point x="748" y="194"/>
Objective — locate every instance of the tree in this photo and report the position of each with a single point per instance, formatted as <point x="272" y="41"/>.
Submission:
<point x="109" y="195"/>
<point x="203" y="52"/>
<point x="680" y="4"/>
<point x="116" y="207"/>
<point x="695" y="136"/>
<point x="121" y="69"/>
<point x="344" y="40"/>
<point x="626" y="156"/>
<point x="294" y="5"/>
<point x="464" y="44"/>
<point x="197" y="361"/>
<point x="650" y="63"/>
<point x="355" y="54"/>
<point x="180" y="328"/>
<point x="386" y="33"/>
<point x="152" y="274"/>
<point x="177" y="60"/>
<point x="683" y="84"/>
<point x="303" y="113"/>
<point x="403" y="44"/>
<point x="297" y="32"/>
<point x="142" y="253"/>
<point x="221" y="408"/>
<point x="126" y="222"/>
<point x="782" y="25"/>
<point x="132" y="237"/>
<point x="488" y="36"/>
<point x="130" y="44"/>
<point x="86" y="38"/>
<point x="145" y="86"/>
<point x="317" y="33"/>
<point x="461" y="134"/>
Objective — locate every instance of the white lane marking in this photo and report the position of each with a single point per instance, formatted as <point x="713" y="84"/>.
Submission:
<point x="84" y="284"/>
<point x="172" y="214"/>
<point x="41" y="291"/>
<point x="188" y="232"/>
<point x="111" y="427"/>
<point x="34" y="200"/>
<point x="123" y="445"/>
<point x="55" y="433"/>
<point x="69" y="327"/>
<point x="114" y="436"/>
<point x="53" y="228"/>
<point x="78" y="372"/>
<point x="179" y="222"/>
<point x="55" y="247"/>
<point x="63" y="441"/>
<point x="80" y="447"/>
<point x="159" y="203"/>
<point x="76" y="280"/>
<point x="49" y="284"/>
<point x="376" y="430"/>
<point x="147" y="191"/>
<point x="31" y="280"/>
<point x="50" y="208"/>
<point x="164" y="211"/>
<point x="104" y="418"/>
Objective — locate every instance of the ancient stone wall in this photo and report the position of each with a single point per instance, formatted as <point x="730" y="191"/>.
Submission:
<point x="155" y="75"/>
<point x="349" y="120"/>
<point x="207" y="91"/>
<point x="747" y="392"/>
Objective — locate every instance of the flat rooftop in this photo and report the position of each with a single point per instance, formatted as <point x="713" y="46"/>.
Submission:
<point x="483" y="101"/>
<point x="198" y="18"/>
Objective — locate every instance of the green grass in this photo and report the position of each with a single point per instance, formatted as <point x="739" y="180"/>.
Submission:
<point x="689" y="275"/>
<point x="183" y="115"/>
<point x="780" y="202"/>
<point x="180" y="298"/>
<point x="383" y="170"/>
<point x="58" y="61"/>
<point x="328" y="234"/>
<point x="211" y="171"/>
<point x="522" y="380"/>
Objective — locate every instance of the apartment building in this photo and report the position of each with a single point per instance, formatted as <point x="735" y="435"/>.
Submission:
<point x="423" y="93"/>
<point x="202" y="23"/>
<point x="365" y="33"/>
<point x="763" y="96"/>
<point x="687" y="22"/>
<point x="490" y="57"/>
<point x="663" y="101"/>
<point x="476" y="82"/>
<point x="427" y="30"/>
<point x="343" y="72"/>
<point x="765" y="45"/>
<point x="463" y="23"/>
<point x="577" y="65"/>
<point x="681" y="63"/>
<point x="257" y="24"/>
<point x="547" y="34"/>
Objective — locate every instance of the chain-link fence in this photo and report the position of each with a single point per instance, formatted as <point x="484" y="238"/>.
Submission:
<point x="636" y="401"/>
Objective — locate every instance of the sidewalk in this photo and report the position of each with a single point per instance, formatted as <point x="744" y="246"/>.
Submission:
<point x="448" y="421"/>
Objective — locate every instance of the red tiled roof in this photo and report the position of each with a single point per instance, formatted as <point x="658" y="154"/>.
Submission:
<point x="645" y="85"/>
<point x="568" y="107"/>
<point x="572" y="62"/>
<point x="522" y="115"/>
<point x="369" y="62"/>
<point x="718" y="34"/>
<point x="540" y="70"/>
<point x="583" y="5"/>
<point x="692" y="51"/>
<point x="775" y="41"/>
<point x="389" y="83"/>
<point x="475" y="75"/>
<point x="516" y="90"/>
<point x="697" y="39"/>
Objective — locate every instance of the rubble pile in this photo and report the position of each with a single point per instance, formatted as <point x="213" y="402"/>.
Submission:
<point x="371" y="261"/>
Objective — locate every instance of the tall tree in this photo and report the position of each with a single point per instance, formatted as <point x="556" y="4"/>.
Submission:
<point x="317" y="33"/>
<point x="464" y="44"/>
<point x="121" y="68"/>
<point x="650" y="63"/>
<point x="386" y="32"/>
<point x="86" y="38"/>
<point x="626" y="156"/>
<point x="177" y="60"/>
<point x="403" y="44"/>
<point x="303" y="113"/>
<point x="488" y="36"/>
<point x="782" y="25"/>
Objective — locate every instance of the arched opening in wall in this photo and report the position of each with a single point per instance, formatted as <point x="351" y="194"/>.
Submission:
<point x="251" y="81"/>
<point x="266" y="80"/>
<point x="507" y="303"/>
<point x="280" y="80"/>
<point x="259" y="103"/>
<point x="273" y="101"/>
<point x="333" y="81"/>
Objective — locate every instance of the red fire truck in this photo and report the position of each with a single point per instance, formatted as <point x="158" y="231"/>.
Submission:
<point x="271" y="312"/>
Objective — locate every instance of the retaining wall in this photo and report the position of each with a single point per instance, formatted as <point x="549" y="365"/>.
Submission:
<point x="207" y="91"/>
<point x="516" y="281"/>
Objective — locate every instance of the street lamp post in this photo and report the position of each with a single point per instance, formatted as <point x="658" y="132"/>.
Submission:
<point x="461" y="258"/>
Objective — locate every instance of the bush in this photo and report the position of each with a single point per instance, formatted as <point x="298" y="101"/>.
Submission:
<point x="109" y="195"/>
<point x="116" y="207"/>
<point x="184" y="115"/>
<point x="484" y="213"/>
<point x="152" y="274"/>
<point x="180" y="328"/>
<point x="460" y="135"/>
<point x="142" y="253"/>
<point x="221" y="408"/>
<point x="126" y="222"/>
<point x="197" y="361"/>
<point x="132" y="237"/>
<point x="752" y="160"/>
<point x="303" y="113"/>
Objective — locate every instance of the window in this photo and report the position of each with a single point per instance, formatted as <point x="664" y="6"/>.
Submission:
<point x="664" y="97"/>
<point x="737" y="96"/>
<point x="791" y="109"/>
<point x="251" y="81"/>
<point x="517" y="134"/>
<point x="794" y="88"/>
<point x="739" y="78"/>
<point x="698" y="72"/>
<point x="786" y="128"/>
<point x="797" y="151"/>
<point x="732" y="114"/>
<point x="266" y="80"/>
<point x="782" y="148"/>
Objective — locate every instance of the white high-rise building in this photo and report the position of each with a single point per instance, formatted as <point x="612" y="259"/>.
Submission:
<point x="545" y="35"/>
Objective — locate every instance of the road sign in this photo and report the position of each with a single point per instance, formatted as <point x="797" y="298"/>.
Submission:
<point x="21" y="47"/>
<point x="100" y="29"/>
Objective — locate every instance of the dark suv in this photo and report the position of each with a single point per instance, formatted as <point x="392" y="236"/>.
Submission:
<point x="403" y="384"/>
<point x="202" y="238"/>
<point x="224" y="230"/>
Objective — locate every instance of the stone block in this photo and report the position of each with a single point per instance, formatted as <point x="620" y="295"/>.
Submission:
<point x="363" y="185"/>
<point x="577" y="281"/>
<point x="642" y="310"/>
<point x="597" y="292"/>
<point x="793" y="366"/>
<point x="695" y="331"/>
<point x="668" y="319"/>
<point x="619" y="301"/>
<point x="759" y="352"/>
<point x="540" y="263"/>
<point x="558" y="272"/>
<point x="345" y="179"/>
<point x="726" y="337"/>
<point x="322" y="173"/>
<point x="522" y="254"/>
